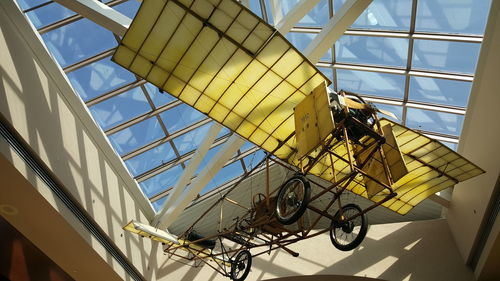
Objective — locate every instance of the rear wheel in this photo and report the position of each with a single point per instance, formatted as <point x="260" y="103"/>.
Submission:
<point x="348" y="234"/>
<point x="292" y="199"/>
<point x="240" y="267"/>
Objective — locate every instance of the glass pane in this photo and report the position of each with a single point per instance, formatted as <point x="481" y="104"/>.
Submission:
<point x="433" y="121"/>
<point x="98" y="78"/>
<point x="451" y="145"/>
<point x="192" y="139"/>
<point x="445" y="56"/>
<point x="255" y="7"/>
<point x="120" y="108"/>
<point x="439" y="91"/>
<point x="150" y="159"/>
<point x="48" y="14"/>
<point x="328" y="71"/>
<point x="210" y="154"/>
<point x="161" y="181"/>
<point x="26" y="4"/>
<point x="225" y="174"/>
<point x="317" y="17"/>
<point x="383" y="14"/>
<point x="254" y="159"/>
<point x="180" y="117"/>
<point x="158" y="204"/>
<point x="136" y="136"/>
<point x="159" y="98"/>
<point x="452" y="16"/>
<point x="372" y="50"/>
<point x="128" y="8"/>
<point x="395" y="109"/>
<point x="371" y="83"/>
<point x="77" y="41"/>
<point x="246" y="146"/>
<point x="301" y="40"/>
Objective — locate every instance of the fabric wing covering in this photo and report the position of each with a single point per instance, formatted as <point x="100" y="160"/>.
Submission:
<point x="432" y="167"/>
<point x="220" y="58"/>
<point x="223" y="60"/>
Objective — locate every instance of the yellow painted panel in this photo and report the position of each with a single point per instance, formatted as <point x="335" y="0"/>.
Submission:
<point x="124" y="56"/>
<point x="204" y="104"/>
<point x="230" y="8"/>
<point x="161" y="32"/>
<point x="203" y="8"/>
<point x="216" y="87"/>
<point x="266" y="84"/>
<point x="251" y="74"/>
<point x="143" y="22"/>
<point x="141" y="66"/>
<point x="287" y="63"/>
<point x="273" y="51"/>
<point x="190" y="95"/>
<point x="248" y="20"/>
<point x="174" y="86"/>
<point x="200" y="80"/>
<point x="393" y="155"/>
<point x="219" y="112"/>
<point x="300" y="75"/>
<point x="246" y="129"/>
<point x="248" y="103"/>
<point x="253" y="43"/>
<point x="157" y="76"/>
<point x="263" y="31"/>
<point x="316" y="80"/>
<point x="220" y="20"/>
<point x="237" y="32"/>
<point x="233" y="94"/>
<point x="312" y="122"/>
<point x="233" y="120"/>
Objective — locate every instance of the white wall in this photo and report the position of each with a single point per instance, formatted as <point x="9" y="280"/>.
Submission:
<point x="37" y="100"/>
<point x="413" y="251"/>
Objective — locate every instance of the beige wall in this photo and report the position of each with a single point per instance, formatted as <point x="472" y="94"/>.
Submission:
<point x="479" y="143"/>
<point x="37" y="100"/>
<point x="401" y="251"/>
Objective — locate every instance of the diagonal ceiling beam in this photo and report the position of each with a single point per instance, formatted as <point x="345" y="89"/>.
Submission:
<point x="295" y="15"/>
<point x="99" y="13"/>
<point x="337" y="25"/>
<point x="188" y="173"/>
<point x="175" y="210"/>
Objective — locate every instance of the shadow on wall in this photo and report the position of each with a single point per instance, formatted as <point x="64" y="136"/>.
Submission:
<point x="422" y="250"/>
<point x="324" y="278"/>
<point x="33" y="104"/>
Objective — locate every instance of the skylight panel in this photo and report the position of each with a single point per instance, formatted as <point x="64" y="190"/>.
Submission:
<point x="451" y="16"/>
<point x="121" y="108"/>
<point x="97" y="78"/>
<point x="72" y="43"/>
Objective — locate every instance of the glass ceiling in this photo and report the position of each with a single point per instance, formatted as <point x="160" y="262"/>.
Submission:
<point x="414" y="58"/>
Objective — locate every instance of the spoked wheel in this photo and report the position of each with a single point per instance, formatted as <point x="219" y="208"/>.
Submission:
<point x="292" y="200"/>
<point x="240" y="267"/>
<point x="347" y="235"/>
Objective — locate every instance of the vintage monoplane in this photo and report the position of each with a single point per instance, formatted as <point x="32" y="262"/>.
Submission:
<point x="221" y="59"/>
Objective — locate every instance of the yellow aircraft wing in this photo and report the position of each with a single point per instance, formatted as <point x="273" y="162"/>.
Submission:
<point x="223" y="60"/>
<point x="432" y="167"/>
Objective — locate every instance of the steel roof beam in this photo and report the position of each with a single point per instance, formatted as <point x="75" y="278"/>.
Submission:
<point x="286" y="23"/>
<point x="188" y="173"/>
<point x="337" y="25"/>
<point x="99" y="13"/>
<point x="164" y="219"/>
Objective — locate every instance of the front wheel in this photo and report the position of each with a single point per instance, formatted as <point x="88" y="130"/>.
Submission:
<point x="292" y="200"/>
<point x="240" y="267"/>
<point x="348" y="234"/>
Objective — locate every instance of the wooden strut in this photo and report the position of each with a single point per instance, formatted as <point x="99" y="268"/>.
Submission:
<point x="281" y="241"/>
